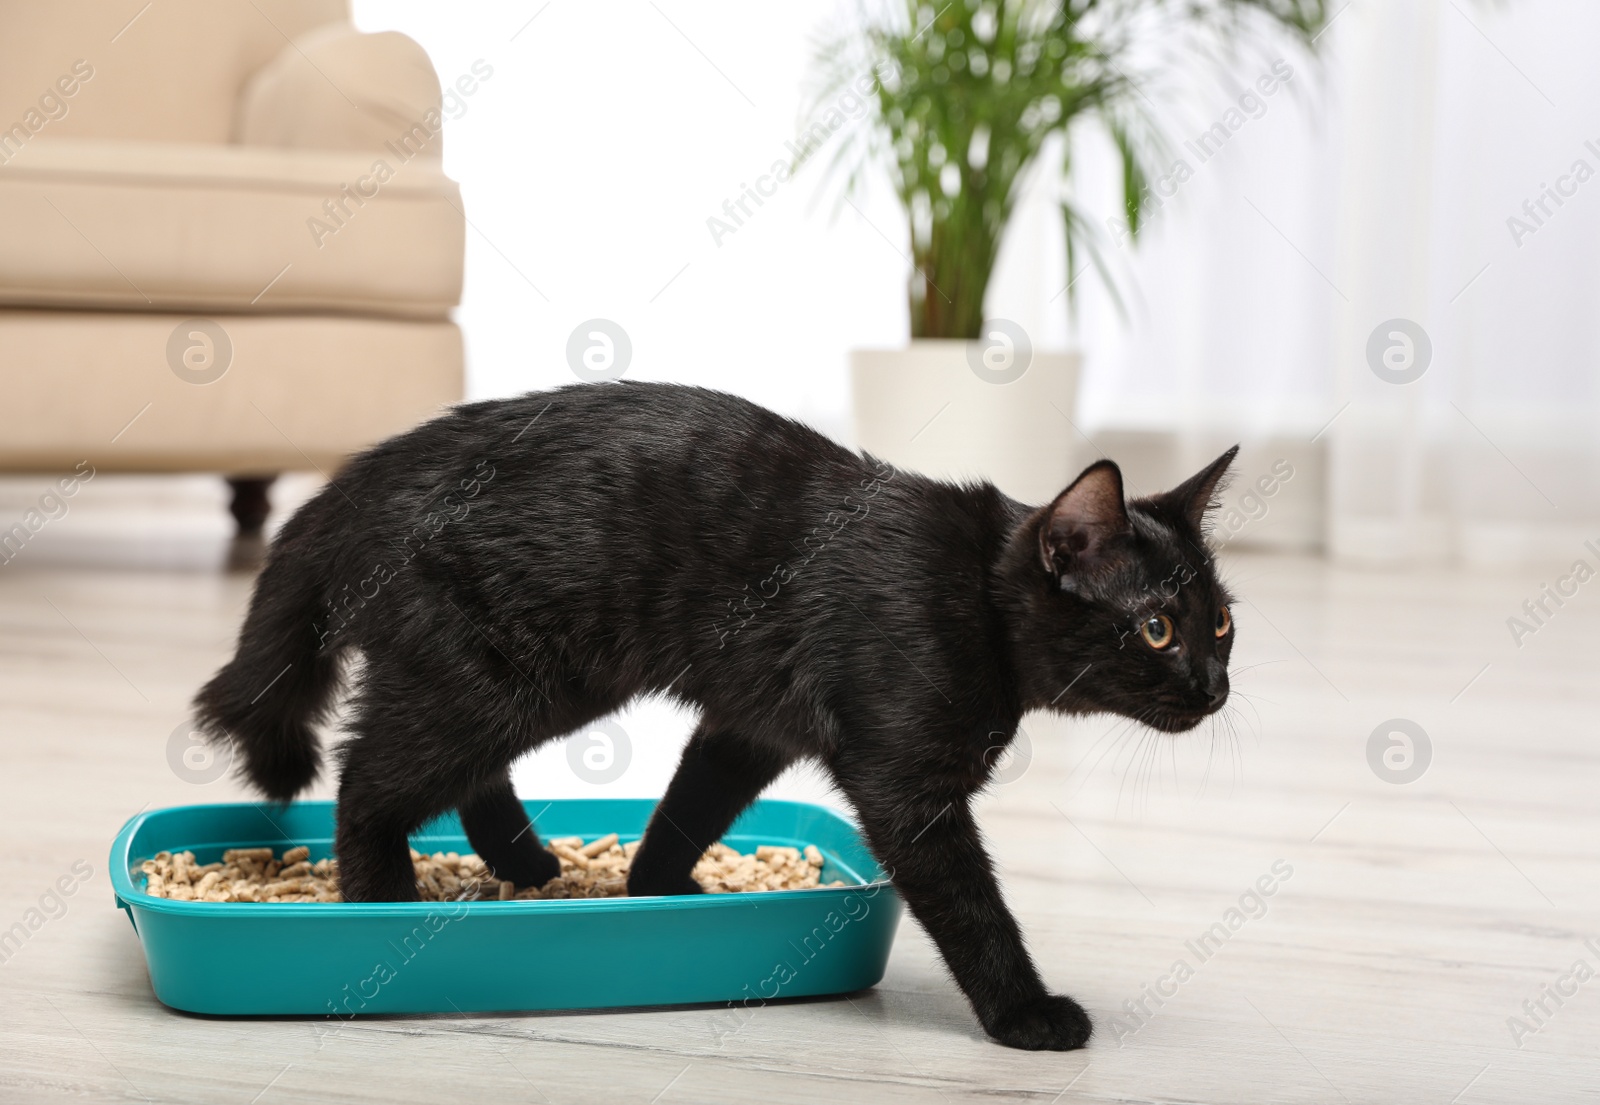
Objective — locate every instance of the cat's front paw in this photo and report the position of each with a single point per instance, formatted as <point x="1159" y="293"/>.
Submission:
<point x="531" y="867"/>
<point x="641" y="884"/>
<point x="1051" y="1023"/>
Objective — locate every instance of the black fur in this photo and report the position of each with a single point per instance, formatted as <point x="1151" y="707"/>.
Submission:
<point x="517" y="569"/>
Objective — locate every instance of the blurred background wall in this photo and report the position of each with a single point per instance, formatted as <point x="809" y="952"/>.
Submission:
<point x="1376" y="184"/>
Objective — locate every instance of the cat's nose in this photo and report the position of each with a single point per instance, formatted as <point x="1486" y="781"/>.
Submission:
<point x="1216" y="693"/>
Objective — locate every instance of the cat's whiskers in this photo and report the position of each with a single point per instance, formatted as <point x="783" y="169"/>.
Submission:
<point x="1211" y="755"/>
<point x="1229" y="718"/>
<point x="1177" y="779"/>
<point x="1124" y="733"/>
<point x="1216" y="727"/>
<point x="1146" y="755"/>
<point x="1252" y="667"/>
<point x="1224" y="724"/>
<point x="1157" y="774"/>
<point x="1250" y="701"/>
<point x="1111" y="738"/>
<point x="1233" y="744"/>
<point x="1229" y="734"/>
<point x="1139" y="766"/>
<point x="1136" y="756"/>
<point x="1128" y="772"/>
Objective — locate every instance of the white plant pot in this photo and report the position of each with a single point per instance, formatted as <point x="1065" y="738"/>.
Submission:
<point x="929" y="408"/>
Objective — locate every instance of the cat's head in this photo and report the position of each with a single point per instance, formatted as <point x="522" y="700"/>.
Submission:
<point x="1116" y="605"/>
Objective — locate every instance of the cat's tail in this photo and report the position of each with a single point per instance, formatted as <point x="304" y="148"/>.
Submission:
<point x="266" y="701"/>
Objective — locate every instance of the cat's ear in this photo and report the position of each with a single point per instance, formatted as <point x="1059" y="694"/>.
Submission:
<point x="1085" y="521"/>
<point x="1197" y="494"/>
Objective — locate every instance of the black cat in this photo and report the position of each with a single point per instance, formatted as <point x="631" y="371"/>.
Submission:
<point x="517" y="569"/>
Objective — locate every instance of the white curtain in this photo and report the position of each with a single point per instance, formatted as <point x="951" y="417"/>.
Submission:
<point x="1379" y="184"/>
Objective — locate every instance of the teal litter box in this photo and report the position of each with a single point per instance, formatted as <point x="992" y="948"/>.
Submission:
<point x="348" y="959"/>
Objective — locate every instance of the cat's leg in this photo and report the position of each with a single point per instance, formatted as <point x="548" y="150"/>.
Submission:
<point x="413" y="754"/>
<point x="379" y="804"/>
<point x="497" y="825"/>
<point x="719" y="776"/>
<point x="931" y="847"/>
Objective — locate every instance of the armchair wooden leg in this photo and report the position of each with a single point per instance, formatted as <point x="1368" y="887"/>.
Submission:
<point x="250" y="504"/>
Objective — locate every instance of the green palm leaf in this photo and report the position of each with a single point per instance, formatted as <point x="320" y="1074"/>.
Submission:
<point x="964" y="97"/>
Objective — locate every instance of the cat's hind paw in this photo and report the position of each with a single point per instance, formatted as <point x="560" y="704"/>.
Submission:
<point x="1051" y="1023"/>
<point x="642" y="885"/>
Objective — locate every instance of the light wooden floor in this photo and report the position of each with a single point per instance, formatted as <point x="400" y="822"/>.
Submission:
<point x="1418" y="918"/>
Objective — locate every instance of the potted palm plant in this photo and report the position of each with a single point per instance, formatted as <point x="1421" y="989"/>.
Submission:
<point x="962" y="98"/>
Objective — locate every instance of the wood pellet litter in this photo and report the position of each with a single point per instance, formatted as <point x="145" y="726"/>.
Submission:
<point x="598" y="869"/>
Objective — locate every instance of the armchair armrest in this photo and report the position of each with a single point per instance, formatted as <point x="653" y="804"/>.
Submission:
<point x="335" y="88"/>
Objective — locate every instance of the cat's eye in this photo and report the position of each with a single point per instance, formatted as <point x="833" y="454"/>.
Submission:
<point x="1224" y="622"/>
<point x="1157" y="631"/>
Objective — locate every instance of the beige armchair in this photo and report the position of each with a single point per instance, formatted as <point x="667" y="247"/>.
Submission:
<point x="226" y="240"/>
